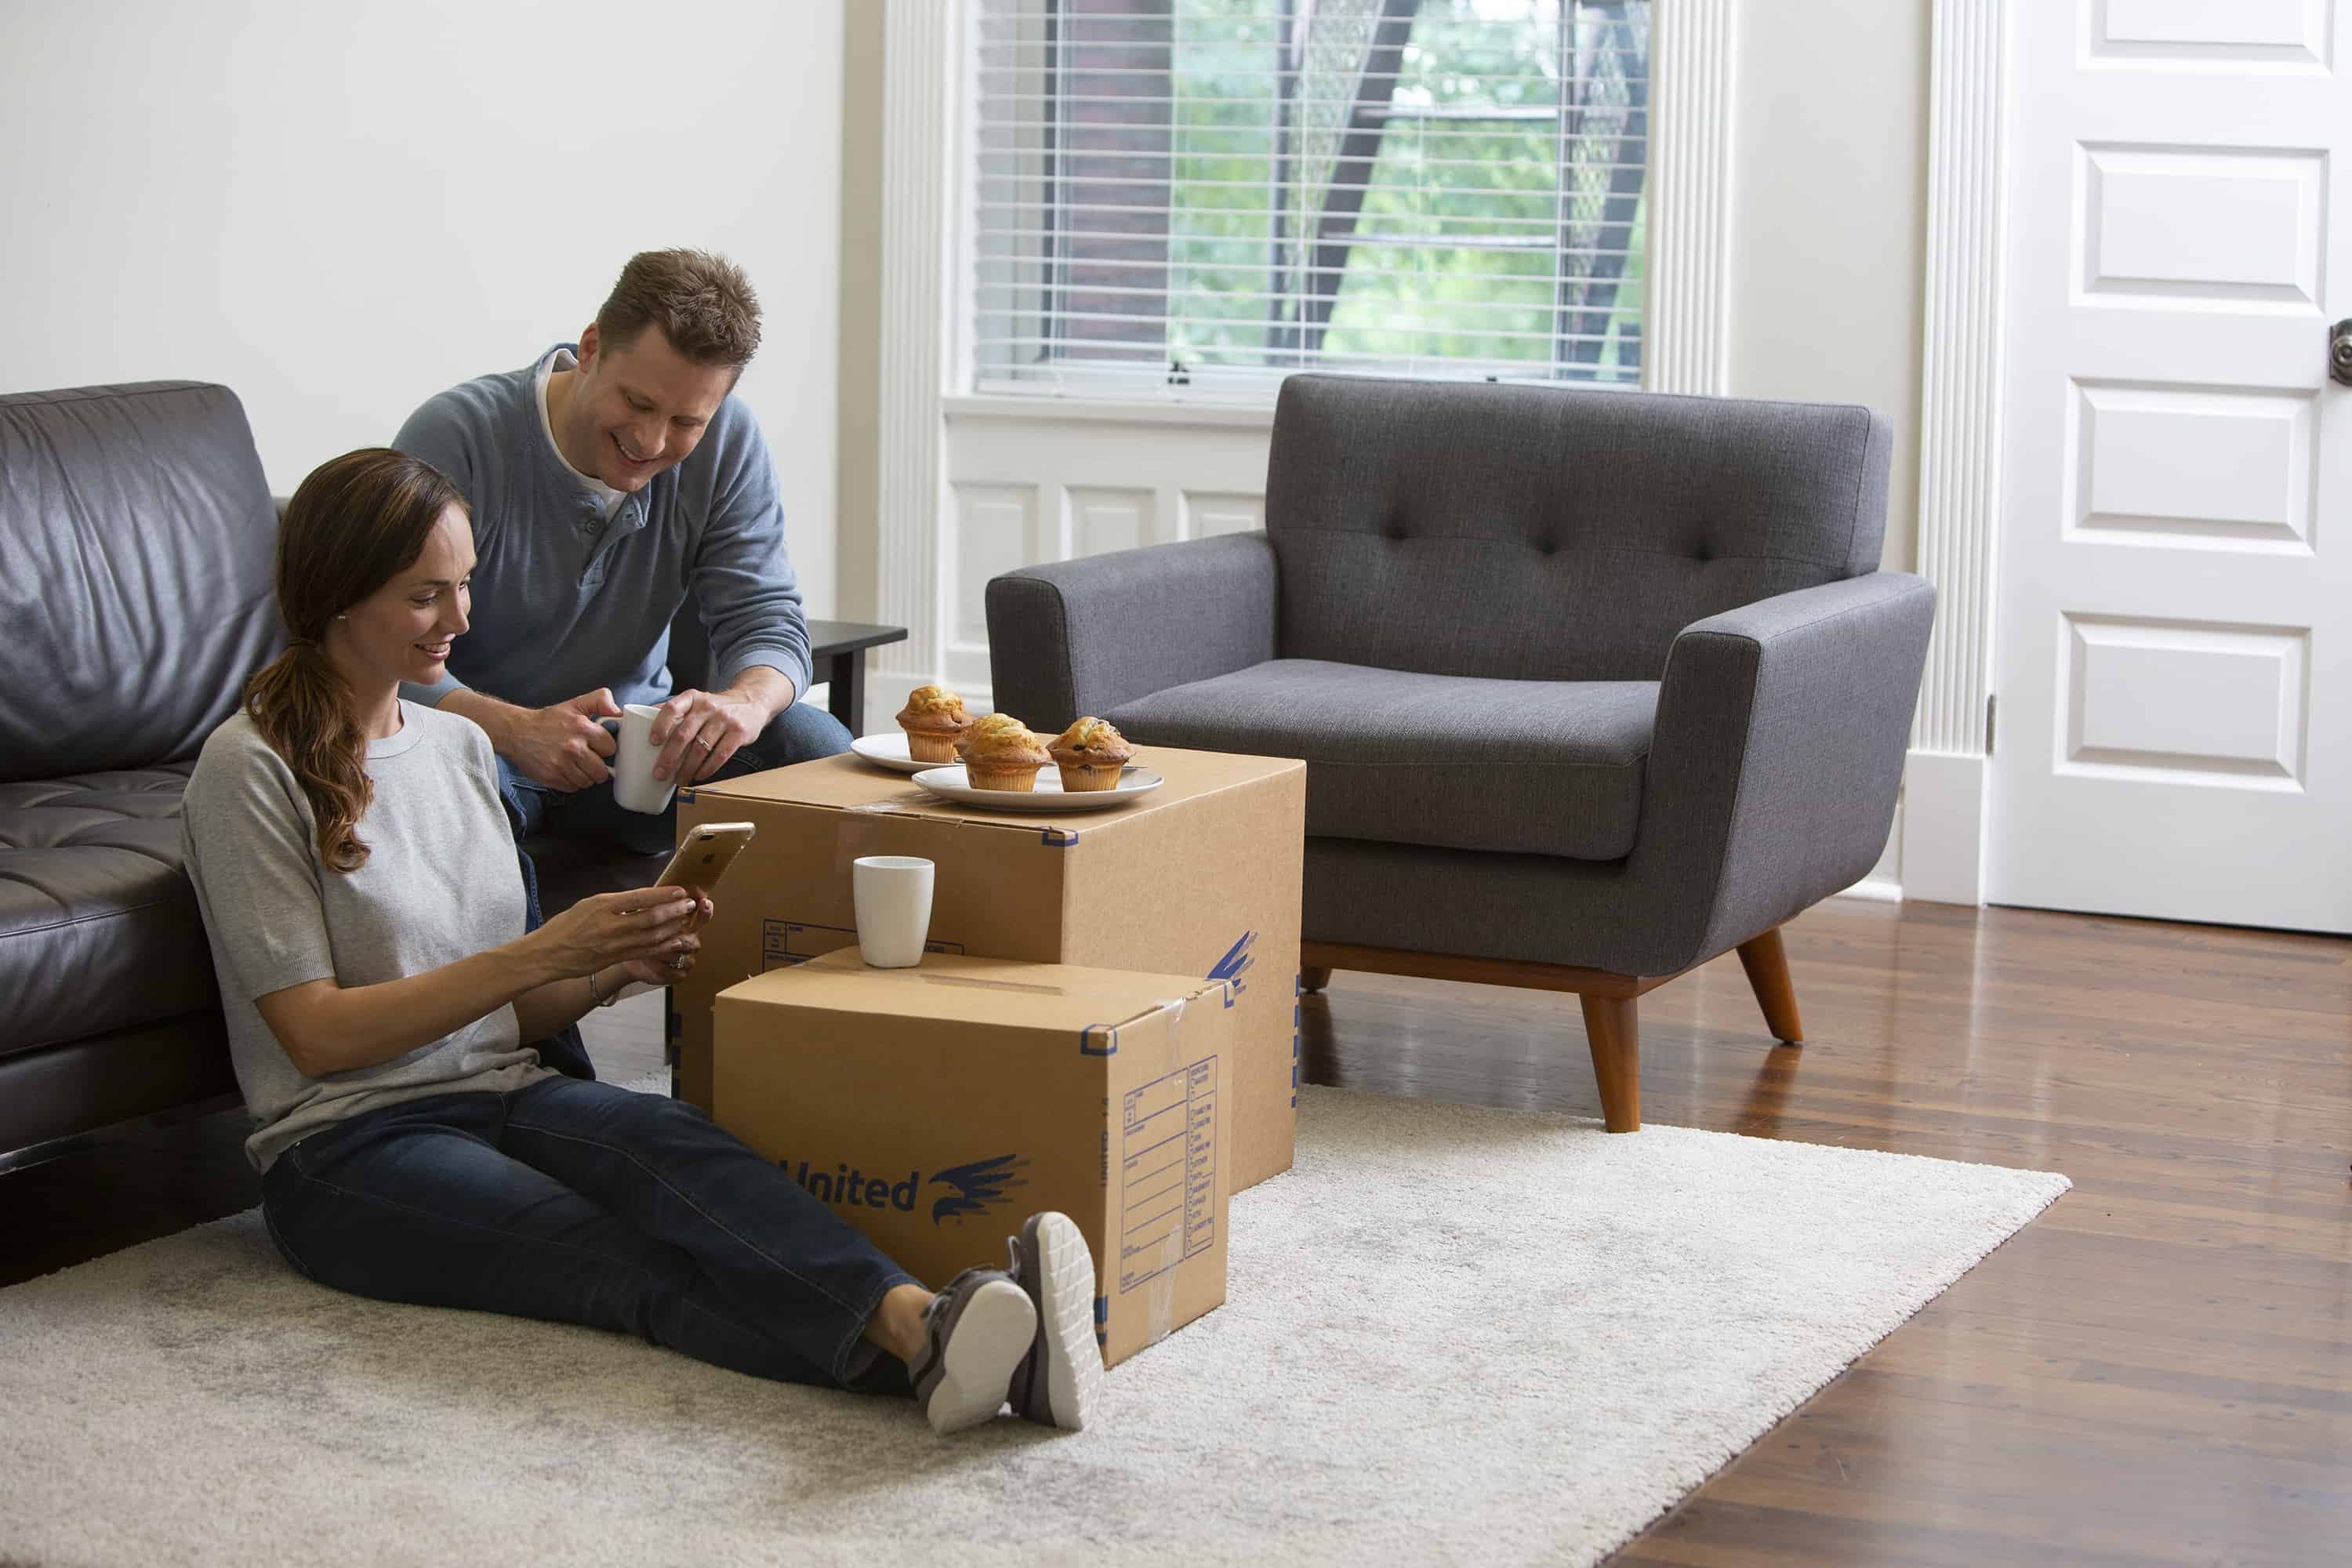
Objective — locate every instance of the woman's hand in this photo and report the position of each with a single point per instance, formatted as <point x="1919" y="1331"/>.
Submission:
<point x="644" y="928"/>
<point x="662" y="971"/>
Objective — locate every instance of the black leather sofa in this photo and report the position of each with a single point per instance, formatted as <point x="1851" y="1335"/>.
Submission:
<point x="137" y="543"/>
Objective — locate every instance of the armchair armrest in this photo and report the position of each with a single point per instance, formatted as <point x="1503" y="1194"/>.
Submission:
<point x="1781" y="731"/>
<point x="1080" y="637"/>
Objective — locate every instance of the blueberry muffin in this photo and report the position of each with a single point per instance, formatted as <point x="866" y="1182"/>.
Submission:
<point x="1091" y="755"/>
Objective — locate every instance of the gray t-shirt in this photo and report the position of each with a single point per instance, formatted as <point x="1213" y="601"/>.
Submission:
<point x="441" y="883"/>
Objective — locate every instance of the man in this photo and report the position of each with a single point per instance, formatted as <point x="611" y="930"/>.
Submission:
<point x="608" y="481"/>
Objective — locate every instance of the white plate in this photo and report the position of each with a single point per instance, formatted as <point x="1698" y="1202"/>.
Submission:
<point x="948" y="783"/>
<point x="889" y="752"/>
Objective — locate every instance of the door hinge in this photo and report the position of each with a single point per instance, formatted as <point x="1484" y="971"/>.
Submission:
<point x="1992" y="704"/>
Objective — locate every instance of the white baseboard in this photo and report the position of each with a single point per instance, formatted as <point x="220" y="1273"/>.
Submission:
<point x="1944" y="828"/>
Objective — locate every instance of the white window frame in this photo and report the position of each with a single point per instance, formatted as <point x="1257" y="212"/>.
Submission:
<point x="1692" y="54"/>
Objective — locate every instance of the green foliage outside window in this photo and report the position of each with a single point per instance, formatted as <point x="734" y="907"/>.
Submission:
<point x="1487" y="306"/>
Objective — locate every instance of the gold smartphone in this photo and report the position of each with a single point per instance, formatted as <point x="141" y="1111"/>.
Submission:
<point x="705" y="854"/>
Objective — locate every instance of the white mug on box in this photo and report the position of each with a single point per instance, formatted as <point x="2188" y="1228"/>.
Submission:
<point x="893" y="898"/>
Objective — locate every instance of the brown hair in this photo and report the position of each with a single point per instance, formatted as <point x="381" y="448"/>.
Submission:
<point x="353" y="525"/>
<point x="702" y="303"/>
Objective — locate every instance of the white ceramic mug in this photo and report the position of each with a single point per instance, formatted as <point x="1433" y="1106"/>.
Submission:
<point x="893" y="897"/>
<point x="635" y="788"/>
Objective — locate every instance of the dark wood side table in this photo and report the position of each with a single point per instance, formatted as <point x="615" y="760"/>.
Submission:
<point x="837" y="655"/>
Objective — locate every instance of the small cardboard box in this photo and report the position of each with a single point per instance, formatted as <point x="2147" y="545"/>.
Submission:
<point x="936" y="1108"/>
<point x="1199" y="877"/>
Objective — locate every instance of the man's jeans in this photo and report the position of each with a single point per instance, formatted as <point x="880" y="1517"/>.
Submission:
<point x="584" y="1203"/>
<point x="801" y="733"/>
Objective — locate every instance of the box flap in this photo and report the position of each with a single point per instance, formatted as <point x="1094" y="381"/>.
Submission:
<point x="953" y="989"/>
<point x="846" y="783"/>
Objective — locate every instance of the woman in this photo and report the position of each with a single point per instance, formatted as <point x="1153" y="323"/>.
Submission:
<point x="360" y="885"/>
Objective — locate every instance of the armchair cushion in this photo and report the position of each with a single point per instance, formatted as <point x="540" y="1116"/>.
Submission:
<point x="1533" y="766"/>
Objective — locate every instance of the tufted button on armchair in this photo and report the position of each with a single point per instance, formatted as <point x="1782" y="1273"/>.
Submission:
<point x="1592" y="686"/>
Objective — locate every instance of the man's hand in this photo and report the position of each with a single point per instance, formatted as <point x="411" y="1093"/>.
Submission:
<point x="562" y="747"/>
<point x="699" y="730"/>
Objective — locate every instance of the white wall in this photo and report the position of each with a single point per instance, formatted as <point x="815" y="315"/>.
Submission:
<point x="1829" y="222"/>
<point x="338" y="208"/>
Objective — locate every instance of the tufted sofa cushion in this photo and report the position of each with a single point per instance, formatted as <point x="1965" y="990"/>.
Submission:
<point x="99" y="927"/>
<point x="1541" y="534"/>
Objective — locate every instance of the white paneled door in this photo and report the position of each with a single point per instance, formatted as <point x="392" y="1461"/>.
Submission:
<point x="2174" y="732"/>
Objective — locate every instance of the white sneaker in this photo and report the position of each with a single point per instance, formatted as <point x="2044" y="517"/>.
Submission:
<point x="976" y="1334"/>
<point x="1059" y="1381"/>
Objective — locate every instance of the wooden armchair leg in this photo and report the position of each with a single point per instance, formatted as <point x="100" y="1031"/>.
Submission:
<point x="1767" y="963"/>
<point x="1609" y="1027"/>
<point x="1311" y="979"/>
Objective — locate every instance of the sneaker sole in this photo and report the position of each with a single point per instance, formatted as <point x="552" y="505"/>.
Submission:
<point x="996" y="1329"/>
<point x="1066" y="1303"/>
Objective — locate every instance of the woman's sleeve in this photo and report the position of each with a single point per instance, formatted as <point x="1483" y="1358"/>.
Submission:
<point x="257" y="874"/>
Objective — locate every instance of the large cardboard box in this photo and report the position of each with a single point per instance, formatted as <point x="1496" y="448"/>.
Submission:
<point x="936" y="1108"/>
<point x="1199" y="877"/>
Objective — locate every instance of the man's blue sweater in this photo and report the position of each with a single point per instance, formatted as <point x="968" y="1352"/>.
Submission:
<point x="565" y="602"/>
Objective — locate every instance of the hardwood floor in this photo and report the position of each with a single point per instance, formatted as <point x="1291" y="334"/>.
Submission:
<point x="2157" y="1370"/>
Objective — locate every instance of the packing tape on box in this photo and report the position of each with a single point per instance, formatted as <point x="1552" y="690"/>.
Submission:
<point x="1175" y="1005"/>
<point x="1159" y="1306"/>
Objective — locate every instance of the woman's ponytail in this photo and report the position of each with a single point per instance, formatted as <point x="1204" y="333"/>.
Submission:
<point x="303" y="709"/>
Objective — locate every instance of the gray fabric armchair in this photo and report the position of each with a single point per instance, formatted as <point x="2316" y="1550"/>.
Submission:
<point x="1592" y="686"/>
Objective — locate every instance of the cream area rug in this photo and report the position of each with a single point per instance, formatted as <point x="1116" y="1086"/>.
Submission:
<point x="1451" y="1336"/>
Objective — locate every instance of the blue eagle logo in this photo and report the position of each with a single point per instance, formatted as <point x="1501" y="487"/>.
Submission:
<point x="1236" y="962"/>
<point x="977" y="1186"/>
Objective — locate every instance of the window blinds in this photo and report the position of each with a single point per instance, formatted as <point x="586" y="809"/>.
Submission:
<point x="1192" y="198"/>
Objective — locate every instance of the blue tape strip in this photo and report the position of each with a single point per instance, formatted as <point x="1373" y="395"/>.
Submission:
<point x="1109" y="1032"/>
<point x="1057" y="837"/>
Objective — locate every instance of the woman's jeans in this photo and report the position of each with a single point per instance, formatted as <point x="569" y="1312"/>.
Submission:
<point x="587" y="1203"/>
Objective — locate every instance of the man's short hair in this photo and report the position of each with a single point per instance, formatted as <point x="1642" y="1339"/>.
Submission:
<point x="702" y="303"/>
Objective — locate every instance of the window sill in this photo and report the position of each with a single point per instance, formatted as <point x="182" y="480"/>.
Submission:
<point x="1058" y="410"/>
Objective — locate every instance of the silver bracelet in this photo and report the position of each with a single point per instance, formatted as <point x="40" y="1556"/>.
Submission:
<point x="592" y="1000"/>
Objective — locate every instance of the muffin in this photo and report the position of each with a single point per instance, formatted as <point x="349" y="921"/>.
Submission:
<point x="1091" y="755"/>
<point x="1001" y="754"/>
<point x="934" y="721"/>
